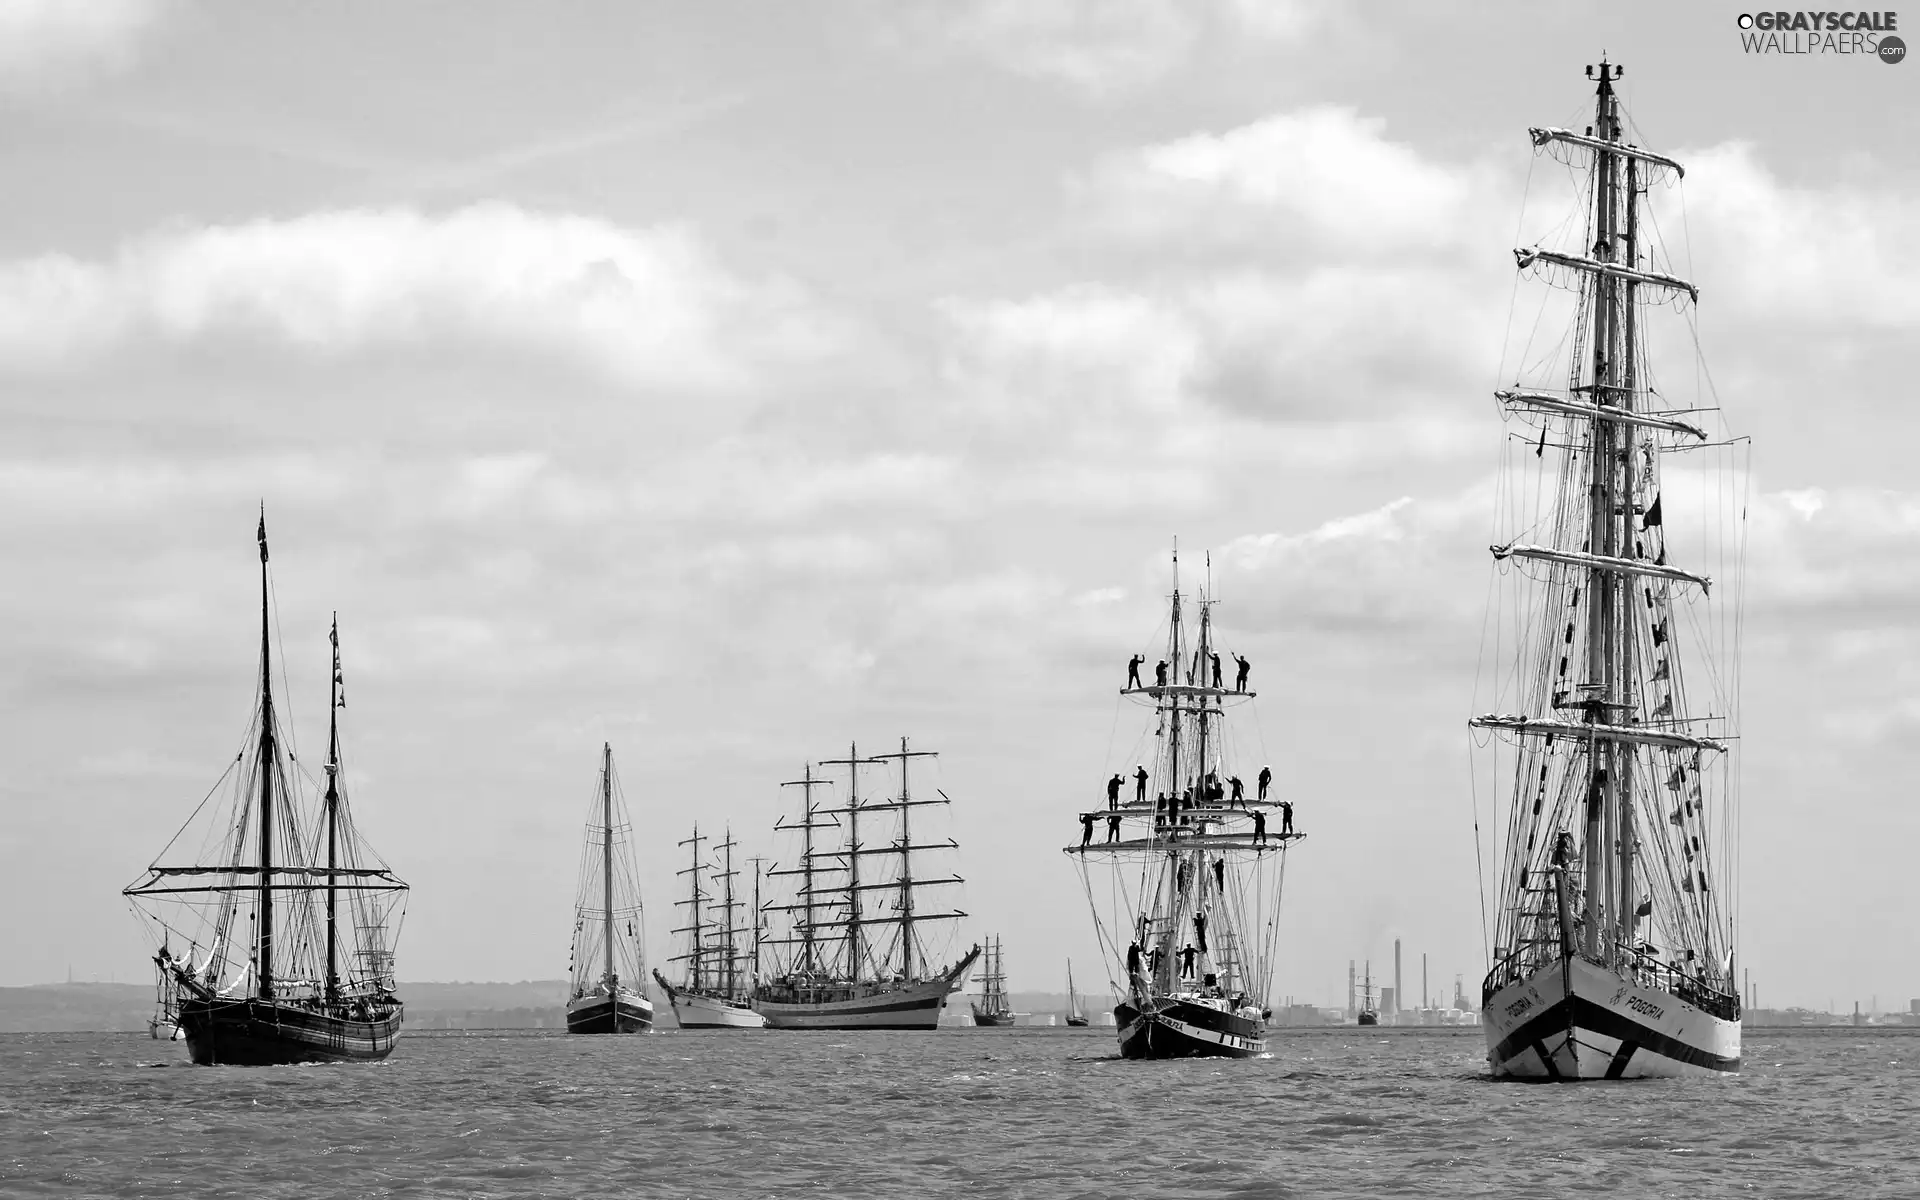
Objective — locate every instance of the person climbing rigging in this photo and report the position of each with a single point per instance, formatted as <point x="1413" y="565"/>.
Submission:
<point x="1266" y="777"/>
<point x="1240" y="676"/>
<point x="1086" y="828"/>
<point x="1286" y="817"/>
<point x="1259" y="828"/>
<point x="1154" y="957"/>
<point x="1133" y="670"/>
<point x="1140" y="784"/>
<point x="1200" y="930"/>
<point x="1133" y="960"/>
<point x="1220" y="875"/>
<point x="1183" y="878"/>
<point x="1113" y="791"/>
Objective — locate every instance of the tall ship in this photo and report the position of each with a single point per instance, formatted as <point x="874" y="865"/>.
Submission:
<point x="1076" y="1017"/>
<point x="1191" y="866"/>
<point x="1367" y="1014"/>
<point x="855" y="954"/>
<point x="715" y="986"/>
<point x="993" y="1008"/>
<point x="608" y="968"/>
<point x="275" y="943"/>
<point x="1613" y="717"/>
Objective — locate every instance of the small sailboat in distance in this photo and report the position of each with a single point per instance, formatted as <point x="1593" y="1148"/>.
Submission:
<point x="1075" y="1017"/>
<point x="609" y="964"/>
<point x="993" y="1007"/>
<point x="1368" y="1015"/>
<point x="275" y="948"/>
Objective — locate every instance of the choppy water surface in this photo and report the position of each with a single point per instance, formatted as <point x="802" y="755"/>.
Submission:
<point x="980" y="1113"/>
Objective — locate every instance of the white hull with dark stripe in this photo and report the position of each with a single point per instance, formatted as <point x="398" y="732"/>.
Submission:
<point x="1175" y="1028"/>
<point x="1575" y="1020"/>
<point x="911" y="1006"/>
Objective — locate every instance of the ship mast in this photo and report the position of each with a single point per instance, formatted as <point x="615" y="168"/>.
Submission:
<point x="809" y="955"/>
<point x="696" y="948"/>
<point x="853" y="762"/>
<point x="264" y="947"/>
<point x="606" y="857"/>
<point x="905" y="849"/>
<point x="729" y="942"/>
<point x="758" y="921"/>
<point x="335" y="701"/>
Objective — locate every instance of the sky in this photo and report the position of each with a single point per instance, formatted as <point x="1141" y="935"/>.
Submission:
<point x="734" y="382"/>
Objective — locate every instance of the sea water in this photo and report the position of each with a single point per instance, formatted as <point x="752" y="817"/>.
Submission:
<point x="976" y="1113"/>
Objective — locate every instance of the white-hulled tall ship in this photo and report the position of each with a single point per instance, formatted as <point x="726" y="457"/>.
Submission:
<point x="855" y="954"/>
<point x="993" y="1008"/>
<point x="275" y="949"/>
<point x="716" y="981"/>
<point x="1190" y="873"/>
<point x="607" y="972"/>
<point x="1613" y="936"/>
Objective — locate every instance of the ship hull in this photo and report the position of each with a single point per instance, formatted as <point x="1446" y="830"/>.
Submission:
<point x="992" y="1020"/>
<point x="1076" y="1022"/>
<point x="262" y="1033"/>
<point x="1575" y="1020"/>
<point x="694" y="1011"/>
<point x="910" y="1006"/>
<point x="610" y="1014"/>
<point x="1185" y="1029"/>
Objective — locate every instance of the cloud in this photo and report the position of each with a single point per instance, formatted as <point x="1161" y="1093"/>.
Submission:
<point x="643" y="306"/>
<point x="46" y="44"/>
<point x="1103" y="48"/>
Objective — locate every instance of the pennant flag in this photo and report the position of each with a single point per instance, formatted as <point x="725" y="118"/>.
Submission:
<point x="1645" y="909"/>
<point x="1653" y="513"/>
<point x="263" y="535"/>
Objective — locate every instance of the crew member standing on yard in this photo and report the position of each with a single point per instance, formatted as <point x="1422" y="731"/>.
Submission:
<point x="1240" y="677"/>
<point x="1215" y="656"/>
<point x="1259" y="828"/>
<point x="1160" y="673"/>
<point x="1239" y="792"/>
<point x="1286" y="816"/>
<point x="1086" y="828"/>
<point x="1133" y="670"/>
<point x="1186" y="961"/>
<point x="1113" y="792"/>
<point x="1113" y="827"/>
<point x="1140" y="784"/>
<point x="1266" y="777"/>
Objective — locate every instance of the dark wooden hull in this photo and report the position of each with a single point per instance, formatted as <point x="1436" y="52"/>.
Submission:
<point x="992" y="1020"/>
<point x="266" y="1033"/>
<point x="1185" y="1029"/>
<point x="608" y="1014"/>
<point x="1077" y="1022"/>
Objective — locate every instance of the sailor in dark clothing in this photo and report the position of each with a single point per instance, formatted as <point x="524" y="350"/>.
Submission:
<point x="1216" y="668"/>
<point x="1239" y="791"/>
<point x="1113" y="792"/>
<point x="1086" y="828"/>
<point x="1153" y="961"/>
<point x="1160" y="673"/>
<point x="1160" y="810"/>
<point x="1220" y="875"/>
<point x="1133" y="670"/>
<point x="1113" y="827"/>
<point x="1133" y="959"/>
<point x="1240" y="676"/>
<point x="1140" y="784"/>
<point x="1183" y="878"/>
<point x="1200" y="930"/>
<point x="1266" y="777"/>
<point x="1286" y="816"/>
<point x="1259" y="828"/>
<point x="1186" y="961"/>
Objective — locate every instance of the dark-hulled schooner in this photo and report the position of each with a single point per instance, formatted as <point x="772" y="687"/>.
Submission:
<point x="844" y="965"/>
<point x="1192" y="874"/>
<point x="1613" y="946"/>
<point x="993" y="1008"/>
<point x="607" y="970"/>
<point x="276" y="947"/>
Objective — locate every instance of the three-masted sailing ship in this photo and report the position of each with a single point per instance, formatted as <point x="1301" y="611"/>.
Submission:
<point x="607" y="973"/>
<point x="716" y="983"/>
<point x="1368" y="1014"/>
<point x="1193" y="874"/>
<point x="993" y="1007"/>
<point x="855" y="955"/>
<point x="1075" y="1016"/>
<point x="275" y="947"/>
<point x="1613" y="950"/>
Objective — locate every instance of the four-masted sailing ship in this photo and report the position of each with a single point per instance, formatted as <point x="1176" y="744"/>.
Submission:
<point x="607" y="972"/>
<point x="716" y="984"/>
<point x="1194" y="874"/>
<point x="1613" y="948"/>
<point x="275" y="947"/>
<point x="854" y="955"/>
<point x="993" y="1008"/>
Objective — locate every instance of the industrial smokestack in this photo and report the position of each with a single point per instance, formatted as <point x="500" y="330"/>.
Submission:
<point x="1397" y="993"/>
<point x="1426" y="998"/>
